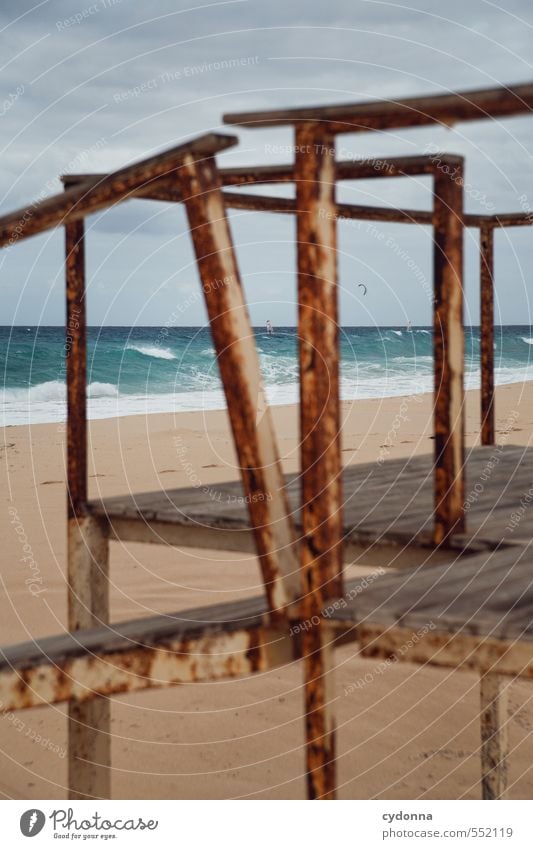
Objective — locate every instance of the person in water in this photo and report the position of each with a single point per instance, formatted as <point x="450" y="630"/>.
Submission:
<point x="269" y="327"/>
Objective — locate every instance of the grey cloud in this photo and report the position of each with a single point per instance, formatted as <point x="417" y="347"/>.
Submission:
<point x="84" y="108"/>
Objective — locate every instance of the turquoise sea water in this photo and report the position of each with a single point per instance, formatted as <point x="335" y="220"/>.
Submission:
<point x="149" y="369"/>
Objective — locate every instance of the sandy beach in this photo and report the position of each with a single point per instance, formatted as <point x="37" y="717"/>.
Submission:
<point x="412" y="733"/>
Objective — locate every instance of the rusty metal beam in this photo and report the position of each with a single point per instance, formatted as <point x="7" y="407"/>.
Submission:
<point x="166" y="187"/>
<point x="486" y="244"/>
<point x="190" y="646"/>
<point x="460" y="650"/>
<point x="266" y="203"/>
<point x="448" y="344"/>
<point x="81" y="200"/>
<point x="321" y="500"/>
<point x="167" y="190"/>
<point x="76" y="368"/>
<point x="250" y="417"/>
<point x="388" y="114"/>
<point x="512" y="219"/>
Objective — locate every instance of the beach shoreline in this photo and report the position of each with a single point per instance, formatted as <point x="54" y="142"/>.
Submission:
<point x="412" y="733"/>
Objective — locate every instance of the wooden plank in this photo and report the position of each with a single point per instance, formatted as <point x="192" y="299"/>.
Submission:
<point x="494" y="722"/>
<point x="149" y="631"/>
<point x="448" y="345"/>
<point x="385" y="504"/>
<point x="385" y="113"/>
<point x="486" y="333"/>
<point x="79" y="201"/>
<point x="488" y="594"/>
<point x="238" y="361"/>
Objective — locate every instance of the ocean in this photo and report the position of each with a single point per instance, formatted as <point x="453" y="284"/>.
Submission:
<point x="140" y="370"/>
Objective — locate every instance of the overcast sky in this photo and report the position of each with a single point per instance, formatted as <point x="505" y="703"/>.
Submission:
<point x="95" y="85"/>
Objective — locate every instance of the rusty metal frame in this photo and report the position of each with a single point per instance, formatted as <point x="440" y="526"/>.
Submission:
<point x="192" y="167"/>
<point x="315" y="174"/>
<point x="447" y="217"/>
<point x="95" y="660"/>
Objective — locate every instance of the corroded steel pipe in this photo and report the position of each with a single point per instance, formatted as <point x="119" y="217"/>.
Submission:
<point x="345" y="169"/>
<point x="76" y="368"/>
<point x="89" y="675"/>
<point x="448" y="342"/>
<point x="486" y="242"/>
<point x="250" y="417"/>
<point x="321" y="510"/>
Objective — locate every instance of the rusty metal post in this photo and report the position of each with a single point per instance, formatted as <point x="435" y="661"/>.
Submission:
<point x="448" y="342"/>
<point x="251" y="421"/>
<point x="76" y="368"/>
<point x="321" y="511"/>
<point x="486" y="245"/>
<point x="89" y="741"/>
<point x="494" y="735"/>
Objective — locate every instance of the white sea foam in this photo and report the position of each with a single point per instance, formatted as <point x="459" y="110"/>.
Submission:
<point x="153" y="351"/>
<point x="46" y="402"/>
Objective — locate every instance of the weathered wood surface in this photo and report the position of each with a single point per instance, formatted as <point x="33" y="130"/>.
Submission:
<point x="383" y="502"/>
<point x="204" y="644"/>
<point x="386" y="114"/>
<point x="486" y="595"/>
<point x="477" y="612"/>
<point x="76" y="202"/>
<point x="147" y="632"/>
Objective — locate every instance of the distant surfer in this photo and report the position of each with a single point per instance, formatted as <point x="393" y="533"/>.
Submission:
<point x="409" y="327"/>
<point x="269" y="327"/>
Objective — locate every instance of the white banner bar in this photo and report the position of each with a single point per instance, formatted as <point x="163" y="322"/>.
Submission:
<point x="262" y="825"/>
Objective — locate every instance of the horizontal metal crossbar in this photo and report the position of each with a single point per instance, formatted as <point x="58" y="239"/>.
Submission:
<point x="79" y="201"/>
<point x="388" y="114"/>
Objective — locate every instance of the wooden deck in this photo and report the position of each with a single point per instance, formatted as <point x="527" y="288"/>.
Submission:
<point x="474" y="613"/>
<point x="388" y="505"/>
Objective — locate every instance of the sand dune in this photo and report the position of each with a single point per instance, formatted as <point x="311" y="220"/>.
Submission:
<point x="413" y="732"/>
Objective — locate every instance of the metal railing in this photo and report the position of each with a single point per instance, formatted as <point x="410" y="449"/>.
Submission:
<point x="300" y="575"/>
